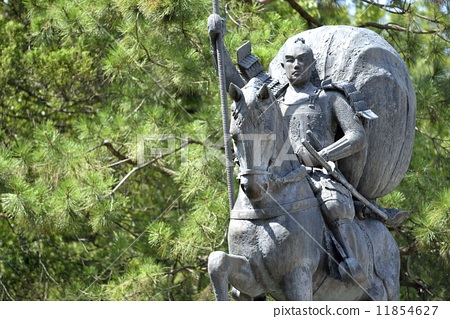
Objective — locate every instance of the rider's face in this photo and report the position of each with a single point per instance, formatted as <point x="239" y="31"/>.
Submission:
<point x="298" y="63"/>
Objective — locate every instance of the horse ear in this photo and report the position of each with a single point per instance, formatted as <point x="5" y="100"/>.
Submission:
<point x="235" y="92"/>
<point x="264" y="93"/>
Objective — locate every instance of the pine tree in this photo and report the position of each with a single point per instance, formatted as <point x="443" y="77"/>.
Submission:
<point x="112" y="181"/>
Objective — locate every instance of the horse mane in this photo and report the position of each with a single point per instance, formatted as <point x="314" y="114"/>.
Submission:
<point x="281" y="132"/>
<point x="266" y="113"/>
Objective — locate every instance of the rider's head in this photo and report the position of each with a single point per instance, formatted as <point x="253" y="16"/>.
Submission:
<point x="298" y="62"/>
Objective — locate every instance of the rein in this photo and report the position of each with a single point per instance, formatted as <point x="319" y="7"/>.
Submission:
<point x="253" y="171"/>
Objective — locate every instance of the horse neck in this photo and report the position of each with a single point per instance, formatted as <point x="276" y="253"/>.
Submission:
<point x="284" y="158"/>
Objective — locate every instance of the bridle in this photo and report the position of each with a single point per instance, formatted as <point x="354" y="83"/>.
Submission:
<point x="253" y="171"/>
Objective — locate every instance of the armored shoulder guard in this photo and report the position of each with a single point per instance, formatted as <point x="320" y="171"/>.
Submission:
<point x="354" y="97"/>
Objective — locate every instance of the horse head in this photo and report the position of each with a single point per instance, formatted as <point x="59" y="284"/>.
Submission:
<point x="255" y="128"/>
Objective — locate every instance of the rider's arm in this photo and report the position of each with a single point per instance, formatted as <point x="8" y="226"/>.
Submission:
<point x="216" y="28"/>
<point x="354" y="139"/>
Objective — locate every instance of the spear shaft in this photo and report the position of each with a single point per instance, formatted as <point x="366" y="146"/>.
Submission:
<point x="224" y="106"/>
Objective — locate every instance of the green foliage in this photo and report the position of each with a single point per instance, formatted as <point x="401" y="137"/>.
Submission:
<point x="112" y="183"/>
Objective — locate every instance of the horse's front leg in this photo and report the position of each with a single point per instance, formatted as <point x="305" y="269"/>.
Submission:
<point x="225" y="268"/>
<point x="240" y="296"/>
<point x="298" y="284"/>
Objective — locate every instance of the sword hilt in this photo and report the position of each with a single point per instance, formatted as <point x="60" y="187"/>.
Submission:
<point x="340" y="178"/>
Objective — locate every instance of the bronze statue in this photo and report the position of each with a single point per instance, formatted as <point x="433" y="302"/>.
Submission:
<point x="326" y="114"/>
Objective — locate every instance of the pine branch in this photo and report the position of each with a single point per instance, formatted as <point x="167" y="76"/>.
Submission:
<point x="305" y="15"/>
<point x="30" y="93"/>
<point x="409" y="250"/>
<point x="136" y="26"/>
<point x="228" y="13"/>
<point x="137" y="168"/>
<point x="436" y="142"/>
<point x="116" y="153"/>
<point x="5" y="114"/>
<point x="126" y="160"/>
<point x="397" y="27"/>
<point x="5" y="289"/>
<point x="163" y="170"/>
<point x="126" y="229"/>
<point x="389" y="7"/>
<point x="137" y="108"/>
<point x="174" y="271"/>
<point x="393" y="9"/>
<point x="42" y="101"/>
<point x="139" y="66"/>
<point x="44" y="268"/>
<point x="388" y="26"/>
<point x="417" y="283"/>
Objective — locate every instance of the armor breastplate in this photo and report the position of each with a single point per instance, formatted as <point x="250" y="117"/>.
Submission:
<point x="308" y="115"/>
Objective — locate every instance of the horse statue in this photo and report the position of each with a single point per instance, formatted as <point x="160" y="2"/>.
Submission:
<point x="279" y="244"/>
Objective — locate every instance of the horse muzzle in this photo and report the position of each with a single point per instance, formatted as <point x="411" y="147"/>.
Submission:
<point x="255" y="185"/>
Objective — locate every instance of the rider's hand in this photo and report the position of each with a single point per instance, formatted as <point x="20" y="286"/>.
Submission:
<point x="216" y="27"/>
<point x="332" y="166"/>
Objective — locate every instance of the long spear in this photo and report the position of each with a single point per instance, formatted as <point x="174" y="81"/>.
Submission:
<point x="224" y="104"/>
